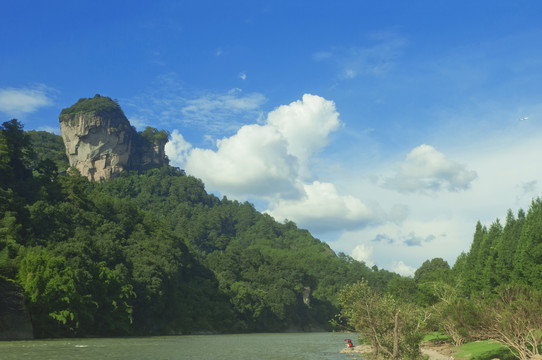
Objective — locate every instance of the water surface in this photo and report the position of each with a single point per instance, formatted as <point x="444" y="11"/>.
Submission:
<point x="313" y="346"/>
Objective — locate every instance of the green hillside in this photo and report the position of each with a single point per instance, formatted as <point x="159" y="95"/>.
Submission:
<point x="154" y="253"/>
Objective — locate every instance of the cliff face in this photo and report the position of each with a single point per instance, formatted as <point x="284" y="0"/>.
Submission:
<point x="101" y="144"/>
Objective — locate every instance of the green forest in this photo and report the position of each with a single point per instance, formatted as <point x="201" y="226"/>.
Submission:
<point x="154" y="253"/>
<point x="151" y="252"/>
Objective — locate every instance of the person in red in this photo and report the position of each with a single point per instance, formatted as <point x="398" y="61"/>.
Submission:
<point x="349" y="343"/>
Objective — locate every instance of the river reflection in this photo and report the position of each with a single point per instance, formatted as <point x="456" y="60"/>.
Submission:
<point x="313" y="346"/>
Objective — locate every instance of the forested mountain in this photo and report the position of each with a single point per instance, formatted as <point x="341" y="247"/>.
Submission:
<point x="152" y="252"/>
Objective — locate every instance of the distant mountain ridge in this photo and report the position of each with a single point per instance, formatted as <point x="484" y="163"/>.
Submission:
<point x="101" y="143"/>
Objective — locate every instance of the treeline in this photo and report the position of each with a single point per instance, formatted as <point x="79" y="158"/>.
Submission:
<point x="493" y="292"/>
<point x="504" y="255"/>
<point x="153" y="253"/>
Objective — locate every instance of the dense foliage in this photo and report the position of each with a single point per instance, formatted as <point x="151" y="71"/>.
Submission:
<point x="101" y="107"/>
<point x="48" y="146"/>
<point x="98" y="104"/>
<point x="153" y="253"/>
<point x="155" y="136"/>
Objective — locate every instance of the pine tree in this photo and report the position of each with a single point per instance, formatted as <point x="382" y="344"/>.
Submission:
<point x="488" y="256"/>
<point x="506" y="248"/>
<point x="470" y="276"/>
<point x="528" y="257"/>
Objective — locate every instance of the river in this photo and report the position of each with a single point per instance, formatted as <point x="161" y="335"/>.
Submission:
<point x="313" y="346"/>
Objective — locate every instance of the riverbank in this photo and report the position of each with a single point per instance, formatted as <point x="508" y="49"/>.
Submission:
<point x="433" y="351"/>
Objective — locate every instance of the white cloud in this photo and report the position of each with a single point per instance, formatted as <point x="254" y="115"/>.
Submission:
<point x="427" y="170"/>
<point x="272" y="162"/>
<point x="442" y="225"/>
<point x="305" y="124"/>
<point x="15" y="102"/>
<point x="401" y="268"/>
<point x="363" y="253"/>
<point x="322" y="209"/>
<point x="177" y="148"/>
<point x="243" y="76"/>
<point x="268" y="160"/>
<point x="253" y="162"/>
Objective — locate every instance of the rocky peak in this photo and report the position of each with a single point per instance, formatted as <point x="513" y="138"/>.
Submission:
<point x="101" y="143"/>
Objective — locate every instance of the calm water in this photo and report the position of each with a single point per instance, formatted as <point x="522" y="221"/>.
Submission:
<point x="313" y="346"/>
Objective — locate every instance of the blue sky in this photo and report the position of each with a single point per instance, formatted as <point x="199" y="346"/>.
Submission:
<point x="385" y="128"/>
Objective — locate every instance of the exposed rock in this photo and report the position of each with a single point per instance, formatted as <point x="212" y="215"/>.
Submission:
<point x="101" y="143"/>
<point x="307" y="296"/>
<point x="15" y="322"/>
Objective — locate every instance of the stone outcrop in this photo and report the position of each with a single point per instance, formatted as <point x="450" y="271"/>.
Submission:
<point x="101" y="143"/>
<point x="15" y="322"/>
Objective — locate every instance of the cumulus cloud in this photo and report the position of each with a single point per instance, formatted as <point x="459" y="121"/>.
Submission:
<point x="177" y="148"/>
<point x="252" y="162"/>
<point x="305" y="124"/>
<point x="15" y="102"/>
<point x="323" y="209"/>
<point x="427" y="170"/>
<point x="271" y="161"/>
<point x="401" y="268"/>
<point x="264" y="160"/>
<point x="363" y="253"/>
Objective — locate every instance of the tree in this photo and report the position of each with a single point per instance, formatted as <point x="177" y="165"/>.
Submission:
<point x="528" y="257"/>
<point x="50" y="291"/>
<point x="514" y="319"/>
<point x="392" y="328"/>
<point x="506" y="248"/>
<point x="19" y="148"/>
<point x="488" y="257"/>
<point x="432" y="270"/>
<point x="456" y="316"/>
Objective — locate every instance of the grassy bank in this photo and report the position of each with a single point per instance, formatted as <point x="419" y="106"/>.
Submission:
<point x="476" y="350"/>
<point x="482" y="350"/>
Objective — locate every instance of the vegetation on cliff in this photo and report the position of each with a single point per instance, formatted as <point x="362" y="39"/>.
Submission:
<point x="98" y="105"/>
